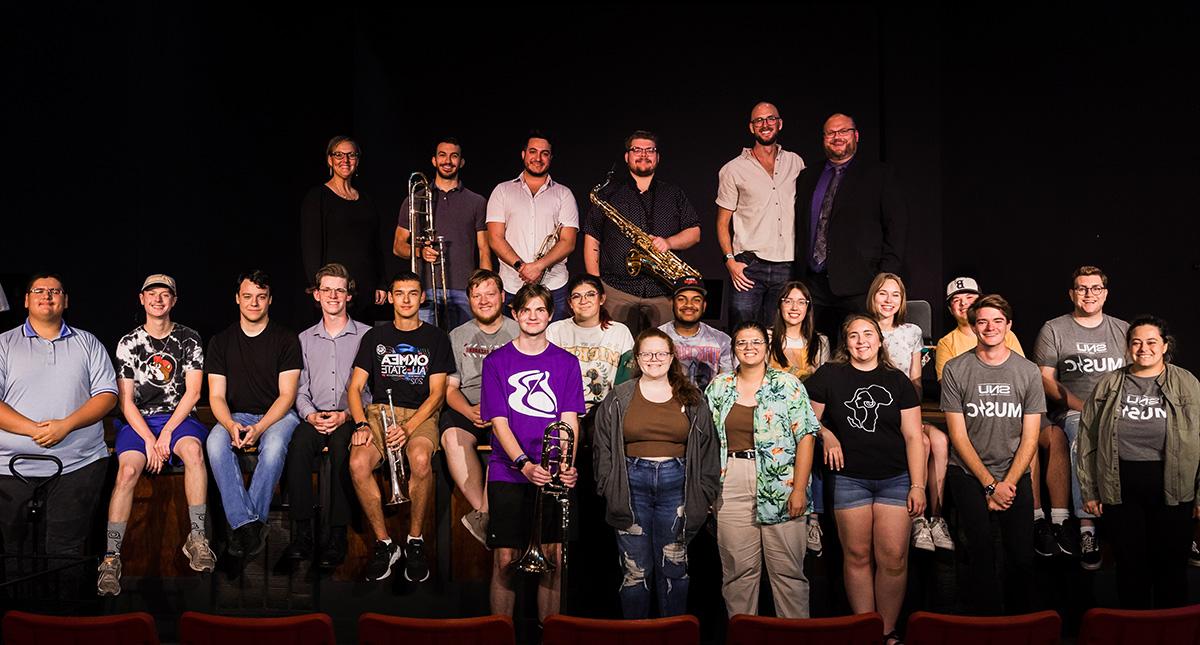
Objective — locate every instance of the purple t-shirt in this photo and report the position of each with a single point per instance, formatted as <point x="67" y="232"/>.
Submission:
<point x="531" y="392"/>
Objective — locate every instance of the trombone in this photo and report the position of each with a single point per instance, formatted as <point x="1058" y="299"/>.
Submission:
<point x="558" y="450"/>
<point x="420" y="213"/>
<point x="394" y="456"/>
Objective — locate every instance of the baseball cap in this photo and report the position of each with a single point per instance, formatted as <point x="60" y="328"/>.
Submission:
<point x="961" y="285"/>
<point x="160" y="280"/>
<point x="690" y="283"/>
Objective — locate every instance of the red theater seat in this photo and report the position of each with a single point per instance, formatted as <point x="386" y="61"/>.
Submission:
<point x="378" y="629"/>
<point x="21" y="628"/>
<point x="568" y="630"/>
<point x="1041" y="628"/>
<point x="1151" y="627"/>
<point x="206" y="629"/>
<point x="864" y="629"/>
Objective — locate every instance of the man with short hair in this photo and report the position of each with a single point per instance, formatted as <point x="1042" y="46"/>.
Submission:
<point x="662" y="211"/>
<point x="458" y="216"/>
<point x="524" y="216"/>
<point x="56" y="385"/>
<point x="851" y="224"/>
<point x="1074" y="351"/>
<point x="993" y="402"/>
<point x="527" y="385"/>
<point x="463" y="427"/>
<point x="702" y="350"/>
<point x="404" y="365"/>
<point x="328" y="349"/>
<point x="756" y="215"/>
<point x="253" y="373"/>
<point x="161" y="366"/>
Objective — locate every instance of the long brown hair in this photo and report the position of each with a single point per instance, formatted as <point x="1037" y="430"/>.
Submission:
<point x="682" y="388"/>
<point x="876" y="285"/>
<point x="843" y="350"/>
<point x="808" y="328"/>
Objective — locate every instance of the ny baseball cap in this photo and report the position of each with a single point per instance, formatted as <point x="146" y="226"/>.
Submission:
<point x="159" y="280"/>
<point x="690" y="283"/>
<point x="961" y="285"/>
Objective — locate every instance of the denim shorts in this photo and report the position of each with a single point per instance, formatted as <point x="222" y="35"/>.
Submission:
<point x="852" y="492"/>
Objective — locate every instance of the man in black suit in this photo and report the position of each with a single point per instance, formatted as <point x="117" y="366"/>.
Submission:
<point x="850" y="225"/>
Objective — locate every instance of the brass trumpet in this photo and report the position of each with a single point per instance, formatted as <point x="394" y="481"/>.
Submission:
<point x="558" y="451"/>
<point x="420" y="214"/>
<point x="395" y="457"/>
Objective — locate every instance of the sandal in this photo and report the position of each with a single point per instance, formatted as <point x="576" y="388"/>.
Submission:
<point x="892" y="638"/>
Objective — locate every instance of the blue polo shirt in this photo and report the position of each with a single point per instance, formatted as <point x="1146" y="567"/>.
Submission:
<point x="49" y="379"/>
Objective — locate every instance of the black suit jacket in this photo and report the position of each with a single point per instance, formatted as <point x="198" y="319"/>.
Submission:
<point x="867" y="226"/>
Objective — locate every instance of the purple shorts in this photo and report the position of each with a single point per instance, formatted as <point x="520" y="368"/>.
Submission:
<point x="128" y="439"/>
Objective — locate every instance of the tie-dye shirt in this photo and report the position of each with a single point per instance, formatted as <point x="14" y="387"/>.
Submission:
<point x="158" y="365"/>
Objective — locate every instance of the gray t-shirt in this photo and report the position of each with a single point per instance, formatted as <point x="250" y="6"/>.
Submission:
<point x="1080" y="354"/>
<point x="1142" y="428"/>
<point x="994" y="400"/>
<point x="702" y="356"/>
<point x="471" y="345"/>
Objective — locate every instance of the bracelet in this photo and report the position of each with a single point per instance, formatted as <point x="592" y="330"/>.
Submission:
<point x="917" y="486"/>
<point x="520" y="461"/>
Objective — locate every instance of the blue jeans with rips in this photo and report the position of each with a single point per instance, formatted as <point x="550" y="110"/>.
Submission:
<point x="244" y="506"/>
<point x="652" y="549"/>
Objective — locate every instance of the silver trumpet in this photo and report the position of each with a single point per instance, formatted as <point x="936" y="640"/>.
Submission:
<point x="422" y="233"/>
<point x="395" y="457"/>
<point x="558" y="450"/>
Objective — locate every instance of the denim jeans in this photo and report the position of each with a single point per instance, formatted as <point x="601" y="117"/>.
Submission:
<point x="243" y="506"/>
<point x="761" y="302"/>
<point x="456" y="311"/>
<point x="651" y="549"/>
<point x="1070" y="427"/>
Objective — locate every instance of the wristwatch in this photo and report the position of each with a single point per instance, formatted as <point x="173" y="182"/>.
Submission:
<point x="518" y="264"/>
<point x="989" y="489"/>
<point x="728" y="256"/>
<point x="520" y="462"/>
<point x="361" y="424"/>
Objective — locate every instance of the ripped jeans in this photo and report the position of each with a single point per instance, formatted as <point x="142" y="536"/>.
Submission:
<point x="652" y="548"/>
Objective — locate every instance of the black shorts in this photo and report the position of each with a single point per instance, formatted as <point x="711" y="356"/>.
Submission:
<point x="510" y="515"/>
<point x="452" y="418"/>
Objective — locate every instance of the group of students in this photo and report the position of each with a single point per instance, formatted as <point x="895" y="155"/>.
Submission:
<point x="684" y="422"/>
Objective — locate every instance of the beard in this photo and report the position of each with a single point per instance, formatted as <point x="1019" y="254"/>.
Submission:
<point x="766" y="142"/>
<point x="489" y="320"/>
<point x="451" y="176"/>
<point x="846" y="153"/>
<point x="639" y="172"/>
<point x="529" y="171"/>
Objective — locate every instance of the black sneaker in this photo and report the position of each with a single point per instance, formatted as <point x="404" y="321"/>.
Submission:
<point x="301" y="546"/>
<point x="382" y="559"/>
<point x="1064" y="543"/>
<point x="236" y="547"/>
<point x="256" y="539"/>
<point x="334" y="552"/>
<point x="416" y="565"/>
<point x="1194" y="558"/>
<point x="1089" y="551"/>
<point x="1043" y="538"/>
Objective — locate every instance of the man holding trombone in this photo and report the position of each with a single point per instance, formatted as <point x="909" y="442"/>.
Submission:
<point x="528" y="385"/>
<point x="405" y="365"/>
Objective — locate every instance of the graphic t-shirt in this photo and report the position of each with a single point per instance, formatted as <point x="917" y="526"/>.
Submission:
<point x="531" y="392"/>
<point x="251" y="365"/>
<point x="598" y="350"/>
<point x="993" y="400"/>
<point x="157" y="366"/>
<point x="901" y="343"/>
<point x="862" y="409"/>
<point x="702" y="356"/>
<point x="471" y="345"/>
<point x="1142" y="428"/>
<point x="1080" y="354"/>
<point x="400" y="362"/>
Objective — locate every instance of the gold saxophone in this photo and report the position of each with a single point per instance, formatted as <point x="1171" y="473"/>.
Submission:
<point x="664" y="264"/>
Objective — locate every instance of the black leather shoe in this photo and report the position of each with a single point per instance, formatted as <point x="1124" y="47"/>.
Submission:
<point x="256" y="539"/>
<point x="301" y="546"/>
<point x="334" y="552"/>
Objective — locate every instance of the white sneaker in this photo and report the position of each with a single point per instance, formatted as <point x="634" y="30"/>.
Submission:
<point x="922" y="534"/>
<point x="939" y="531"/>
<point x="814" y="538"/>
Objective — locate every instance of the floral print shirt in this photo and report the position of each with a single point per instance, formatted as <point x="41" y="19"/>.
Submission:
<point x="782" y="417"/>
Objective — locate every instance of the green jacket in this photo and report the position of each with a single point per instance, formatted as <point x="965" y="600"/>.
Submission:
<point x="1098" y="466"/>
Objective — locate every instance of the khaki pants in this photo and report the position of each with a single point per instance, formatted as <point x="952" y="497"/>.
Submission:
<point x="743" y="543"/>
<point x="631" y="310"/>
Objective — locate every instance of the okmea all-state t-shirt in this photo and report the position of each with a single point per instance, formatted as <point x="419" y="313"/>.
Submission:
<point x="399" y="363"/>
<point x="993" y="400"/>
<point x="862" y="409"/>
<point x="531" y="392"/>
<point x="1081" y="355"/>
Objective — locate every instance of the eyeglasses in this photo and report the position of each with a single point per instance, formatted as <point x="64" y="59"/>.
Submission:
<point x="769" y="120"/>
<point x="587" y="295"/>
<point x="798" y="302"/>
<point x="749" y="342"/>
<point x="643" y="151"/>
<point x="829" y="134"/>
<point x="329" y="291"/>
<point x="339" y="155"/>
<point x="658" y="356"/>
<point x="53" y="292"/>
<point x="1095" y="291"/>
